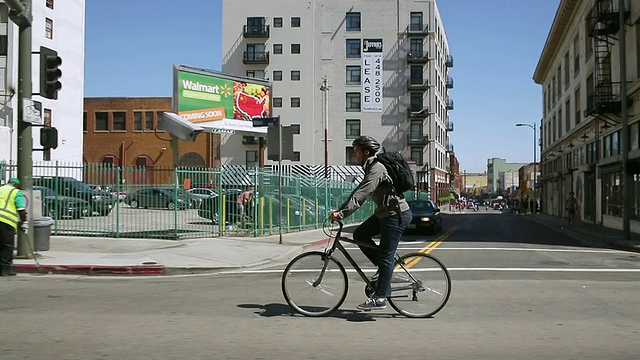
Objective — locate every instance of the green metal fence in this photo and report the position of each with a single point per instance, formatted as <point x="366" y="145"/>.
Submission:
<point x="150" y="202"/>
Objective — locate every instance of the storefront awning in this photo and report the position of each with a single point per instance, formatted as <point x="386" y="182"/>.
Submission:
<point x="231" y="126"/>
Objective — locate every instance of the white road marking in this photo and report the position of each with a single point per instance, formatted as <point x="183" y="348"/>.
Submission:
<point x="574" y="270"/>
<point x="513" y="249"/>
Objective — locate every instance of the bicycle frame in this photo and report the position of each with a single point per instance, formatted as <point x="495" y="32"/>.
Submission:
<point x="338" y="246"/>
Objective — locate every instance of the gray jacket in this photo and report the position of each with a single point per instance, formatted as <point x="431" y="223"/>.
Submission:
<point x="377" y="184"/>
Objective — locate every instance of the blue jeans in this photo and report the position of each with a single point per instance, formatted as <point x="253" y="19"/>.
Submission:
<point x="390" y="230"/>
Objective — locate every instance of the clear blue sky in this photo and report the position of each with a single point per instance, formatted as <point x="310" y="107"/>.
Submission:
<point x="130" y="47"/>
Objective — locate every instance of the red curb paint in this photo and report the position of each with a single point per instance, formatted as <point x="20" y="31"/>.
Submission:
<point x="92" y="270"/>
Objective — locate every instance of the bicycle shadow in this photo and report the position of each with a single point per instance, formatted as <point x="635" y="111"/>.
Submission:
<point x="279" y="309"/>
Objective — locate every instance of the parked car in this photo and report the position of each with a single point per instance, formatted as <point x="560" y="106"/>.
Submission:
<point x="101" y="202"/>
<point x="58" y="207"/>
<point x="425" y="216"/>
<point x="203" y="193"/>
<point x="156" y="198"/>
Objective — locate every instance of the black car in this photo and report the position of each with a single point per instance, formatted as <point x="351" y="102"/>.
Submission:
<point x="156" y="198"/>
<point x="58" y="207"/>
<point x="425" y="216"/>
<point x="101" y="202"/>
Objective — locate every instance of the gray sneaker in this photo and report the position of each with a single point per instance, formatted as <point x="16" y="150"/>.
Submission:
<point x="373" y="304"/>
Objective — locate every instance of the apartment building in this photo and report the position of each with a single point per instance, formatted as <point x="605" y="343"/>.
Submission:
<point x="581" y="133"/>
<point x="495" y="166"/>
<point x="58" y="25"/>
<point x="343" y="69"/>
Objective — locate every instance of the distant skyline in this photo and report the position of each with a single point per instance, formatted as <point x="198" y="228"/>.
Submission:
<point x="495" y="46"/>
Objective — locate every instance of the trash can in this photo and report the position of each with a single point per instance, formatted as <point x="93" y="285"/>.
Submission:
<point x="42" y="233"/>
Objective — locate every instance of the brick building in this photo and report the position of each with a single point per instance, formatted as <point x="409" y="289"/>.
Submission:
<point x="121" y="132"/>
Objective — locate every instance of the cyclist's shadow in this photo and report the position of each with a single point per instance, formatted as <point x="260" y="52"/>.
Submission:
<point x="279" y="309"/>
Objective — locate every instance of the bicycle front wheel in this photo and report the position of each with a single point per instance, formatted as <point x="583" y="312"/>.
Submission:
<point x="314" y="284"/>
<point x="428" y="293"/>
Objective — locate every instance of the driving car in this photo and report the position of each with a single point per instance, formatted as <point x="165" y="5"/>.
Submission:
<point x="425" y="216"/>
<point x="58" y="207"/>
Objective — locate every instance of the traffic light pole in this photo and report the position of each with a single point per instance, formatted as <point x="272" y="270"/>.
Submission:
<point x="20" y="13"/>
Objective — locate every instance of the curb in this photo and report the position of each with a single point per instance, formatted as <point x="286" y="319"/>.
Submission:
<point x="92" y="270"/>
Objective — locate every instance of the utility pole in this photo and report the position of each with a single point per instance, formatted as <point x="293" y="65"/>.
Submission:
<point x="626" y="176"/>
<point x="325" y="96"/>
<point x="20" y="13"/>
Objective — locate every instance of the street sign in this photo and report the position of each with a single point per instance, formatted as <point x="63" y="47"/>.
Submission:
<point x="266" y="121"/>
<point x="273" y="143"/>
<point x="32" y="112"/>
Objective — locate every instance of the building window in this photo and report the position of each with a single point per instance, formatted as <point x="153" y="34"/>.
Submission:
<point x="295" y="128"/>
<point x="142" y="161"/>
<point x="296" y="156"/>
<point x="295" y="75"/>
<point x="353" y="101"/>
<point x="109" y="160"/>
<point x="257" y="74"/>
<point x="295" y="22"/>
<point x="577" y="107"/>
<point x="415" y="21"/>
<point x="251" y="158"/>
<point x="119" y="121"/>
<point x="295" y="102"/>
<point x="277" y="102"/>
<point x="353" y="48"/>
<point x="415" y="129"/>
<point x="349" y="157"/>
<point x="633" y="136"/>
<point x="588" y="43"/>
<point x="353" y="128"/>
<point x="102" y="121"/>
<point x="50" y="4"/>
<point x="137" y="120"/>
<point x="277" y="48"/>
<point x="416" y="155"/>
<point x="416" y="75"/>
<point x="353" y="21"/>
<point x="295" y="48"/>
<point x="277" y="22"/>
<point x="84" y="121"/>
<point x="576" y="56"/>
<point x="48" y="28"/>
<point x="277" y="75"/>
<point x="158" y="116"/>
<point x="416" y="101"/>
<point x="149" y="120"/>
<point x="353" y="75"/>
<point x="4" y="45"/>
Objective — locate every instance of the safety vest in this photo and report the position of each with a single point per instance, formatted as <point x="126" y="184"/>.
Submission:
<point x="8" y="211"/>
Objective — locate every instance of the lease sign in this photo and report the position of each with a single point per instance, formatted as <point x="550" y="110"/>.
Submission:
<point x="372" y="75"/>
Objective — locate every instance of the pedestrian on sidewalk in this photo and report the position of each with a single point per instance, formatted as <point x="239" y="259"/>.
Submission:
<point x="571" y="205"/>
<point x="390" y="219"/>
<point x="12" y="216"/>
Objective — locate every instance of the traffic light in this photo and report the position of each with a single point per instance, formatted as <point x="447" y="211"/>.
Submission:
<point x="50" y="73"/>
<point x="49" y="137"/>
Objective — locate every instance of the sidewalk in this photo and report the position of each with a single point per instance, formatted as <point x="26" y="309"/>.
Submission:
<point x="110" y="256"/>
<point x="588" y="234"/>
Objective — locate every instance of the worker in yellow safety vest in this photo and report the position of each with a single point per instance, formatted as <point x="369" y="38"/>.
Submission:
<point x="12" y="216"/>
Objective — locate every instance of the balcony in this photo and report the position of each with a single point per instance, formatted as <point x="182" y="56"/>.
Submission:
<point x="449" y="61"/>
<point x="255" y="57"/>
<point x="256" y="31"/>
<point x="418" y="58"/>
<point x="604" y="18"/>
<point x="417" y="113"/>
<point x="417" y="84"/>
<point x="604" y="100"/>
<point x="449" y="125"/>
<point x="417" y="140"/>
<point x="449" y="82"/>
<point x="450" y="149"/>
<point x="449" y="104"/>
<point x="417" y="30"/>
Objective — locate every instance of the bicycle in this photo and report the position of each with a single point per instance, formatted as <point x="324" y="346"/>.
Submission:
<point x="315" y="283"/>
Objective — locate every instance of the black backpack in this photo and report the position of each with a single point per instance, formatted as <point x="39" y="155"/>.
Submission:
<point x="398" y="170"/>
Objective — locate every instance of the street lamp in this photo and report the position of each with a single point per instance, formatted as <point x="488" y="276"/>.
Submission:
<point x="535" y="173"/>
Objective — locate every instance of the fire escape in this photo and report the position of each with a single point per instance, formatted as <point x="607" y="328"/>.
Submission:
<point x="603" y="23"/>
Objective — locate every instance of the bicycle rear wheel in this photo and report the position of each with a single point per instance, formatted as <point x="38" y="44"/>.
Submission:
<point x="308" y="296"/>
<point x="428" y="294"/>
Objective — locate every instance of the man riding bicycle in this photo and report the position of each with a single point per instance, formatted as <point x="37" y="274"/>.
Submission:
<point x="390" y="219"/>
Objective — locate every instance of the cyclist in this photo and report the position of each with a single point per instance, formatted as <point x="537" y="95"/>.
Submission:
<point x="391" y="217"/>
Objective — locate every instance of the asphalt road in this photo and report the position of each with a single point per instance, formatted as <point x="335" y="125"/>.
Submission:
<point x="520" y="291"/>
